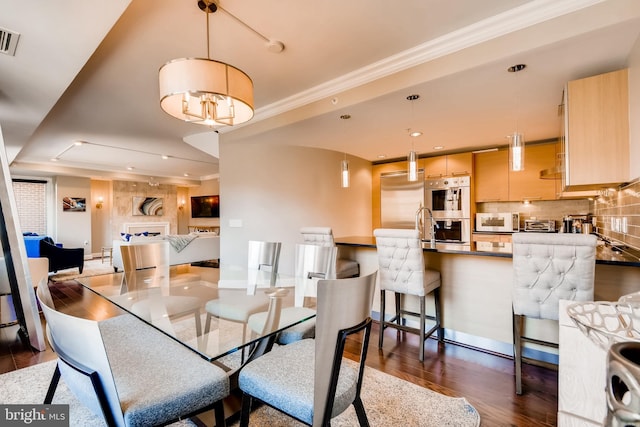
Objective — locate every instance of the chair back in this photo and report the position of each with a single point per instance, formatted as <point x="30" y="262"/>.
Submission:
<point x="342" y="304"/>
<point x="313" y="263"/>
<point x="145" y="265"/>
<point x="263" y="260"/>
<point x="79" y="345"/>
<point x="400" y="260"/>
<point x="39" y="270"/>
<point x="321" y="236"/>
<point x="550" y="267"/>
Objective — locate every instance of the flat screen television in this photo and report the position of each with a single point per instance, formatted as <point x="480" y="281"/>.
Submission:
<point x="205" y="207"/>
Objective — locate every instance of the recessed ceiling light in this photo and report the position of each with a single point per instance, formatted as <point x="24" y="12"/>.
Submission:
<point x="130" y="168"/>
<point x="438" y="147"/>
<point x="382" y="156"/>
<point x="54" y="159"/>
<point x="165" y="157"/>
<point x="415" y="134"/>
<point x="186" y="174"/>
<point x="78" y="143"/>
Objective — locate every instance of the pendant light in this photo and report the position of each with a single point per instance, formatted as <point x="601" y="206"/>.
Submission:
<point x="516" y="139"/>
<point x="412" y="158"/>
<point x="344" y="164"/>
<point x="204" y="91"/>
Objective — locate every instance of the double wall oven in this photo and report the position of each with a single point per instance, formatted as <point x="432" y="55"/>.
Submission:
<point x="449" y="200"/>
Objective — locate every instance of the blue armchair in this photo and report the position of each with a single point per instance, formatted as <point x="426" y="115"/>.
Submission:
<point x="61" y="258"/>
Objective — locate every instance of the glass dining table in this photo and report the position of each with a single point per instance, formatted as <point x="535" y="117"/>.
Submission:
<point x="176" y="304"/>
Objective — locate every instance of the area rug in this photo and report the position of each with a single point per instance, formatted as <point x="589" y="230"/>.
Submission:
<point x="92" y="267"/>
<point x="388" y="401"/>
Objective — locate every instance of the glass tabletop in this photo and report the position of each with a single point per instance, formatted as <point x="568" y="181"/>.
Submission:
<point x="213" y="319"/>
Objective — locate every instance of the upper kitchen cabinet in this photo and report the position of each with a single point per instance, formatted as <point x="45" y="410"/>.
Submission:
<point x="494" y="182"/>
<point x="491" y="176"/>
<point x="526" y="184"/>
<point x="448" y="165"/>
<point x="596" y="131"/>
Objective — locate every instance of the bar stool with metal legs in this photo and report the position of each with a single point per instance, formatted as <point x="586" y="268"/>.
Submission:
<point x="402" y="270"/>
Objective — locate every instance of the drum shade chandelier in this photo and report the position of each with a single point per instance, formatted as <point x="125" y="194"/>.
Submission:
<point x="205" y="91"/>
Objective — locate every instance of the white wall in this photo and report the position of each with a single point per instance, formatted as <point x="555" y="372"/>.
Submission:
<point x="73" y="229"/>
<point x="273" y="191"/>
<point x="634" y="111"/>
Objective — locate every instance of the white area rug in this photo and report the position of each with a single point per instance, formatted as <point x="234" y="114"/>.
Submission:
<point x="389" y="401"/>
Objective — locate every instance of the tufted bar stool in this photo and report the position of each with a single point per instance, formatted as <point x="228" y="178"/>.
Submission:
<point x="323" y="236"/>
<point x="402" y="270"/>
<point x="547" y="268"/>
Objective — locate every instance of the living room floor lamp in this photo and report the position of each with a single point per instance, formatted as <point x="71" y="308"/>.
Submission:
<point x="205" y="91"/>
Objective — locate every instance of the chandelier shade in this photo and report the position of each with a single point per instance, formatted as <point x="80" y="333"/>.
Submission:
<point x="205" y="91"/>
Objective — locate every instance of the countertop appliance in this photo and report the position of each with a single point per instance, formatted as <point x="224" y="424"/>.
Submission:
<point x="498" y="222"/>
<point x="540" y="225"/>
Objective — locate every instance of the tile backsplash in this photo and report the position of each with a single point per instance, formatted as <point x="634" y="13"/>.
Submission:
<point x="618" y="214"/>
<point x="541" y="210"/>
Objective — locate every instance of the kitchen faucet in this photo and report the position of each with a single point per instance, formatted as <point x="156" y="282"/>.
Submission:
<point x="434" y="225"/>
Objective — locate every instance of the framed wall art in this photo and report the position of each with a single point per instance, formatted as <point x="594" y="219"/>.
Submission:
<point x="74" y="204"/>
<point x="147" y="206"/>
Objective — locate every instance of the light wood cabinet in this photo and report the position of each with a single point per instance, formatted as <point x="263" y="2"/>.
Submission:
<point x="527" y="184"/>
<point x="596" y="123"/>
<point x="494" y="182"/>
<point x="491" y="176"/>
<point x="448" y="165"/>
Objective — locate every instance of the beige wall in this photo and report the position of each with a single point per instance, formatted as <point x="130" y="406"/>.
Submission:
<point x="269" y="192"/>
<point x="73" y="229"/>
<point x="100" y="216"/>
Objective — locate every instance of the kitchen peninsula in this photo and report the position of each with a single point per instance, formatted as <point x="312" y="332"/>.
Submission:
<point x="476" y="291"/>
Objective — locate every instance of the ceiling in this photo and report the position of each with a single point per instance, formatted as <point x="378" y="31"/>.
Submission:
<point x="85" y="74"/>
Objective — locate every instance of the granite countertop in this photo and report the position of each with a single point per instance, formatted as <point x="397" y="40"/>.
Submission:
<point x="605" y="252"/>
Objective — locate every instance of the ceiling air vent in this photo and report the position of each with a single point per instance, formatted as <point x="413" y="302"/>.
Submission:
<point x="8" y="41"/>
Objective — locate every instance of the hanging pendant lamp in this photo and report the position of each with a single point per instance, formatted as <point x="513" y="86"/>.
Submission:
<point x="412" y="158"/>
<point x="205" y="91"/>
<point x="344" y="164"/>
<point x="516" y="139"/>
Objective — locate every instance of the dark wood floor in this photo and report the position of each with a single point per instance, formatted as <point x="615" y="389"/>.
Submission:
<point x="485" y="380"/>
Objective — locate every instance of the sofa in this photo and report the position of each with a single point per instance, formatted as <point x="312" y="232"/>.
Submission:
<point x="200" y="247"/>
<point x="61" y="258"/>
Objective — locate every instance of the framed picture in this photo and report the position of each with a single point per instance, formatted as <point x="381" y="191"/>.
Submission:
<point x="74" y="204"/>
<point x="147" y="206"/>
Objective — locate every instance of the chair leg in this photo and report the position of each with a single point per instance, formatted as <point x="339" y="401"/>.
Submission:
<point x="218" y="409"/>
<point x="207" y="323"/>
<point x="360" y="412"/>
<point x="438" y="308"/>
<point x="422" y="326"/>
<point x="517" y="350"/>
<point x="52" y="386"/>
<point x="246" y="410"/>
<point x="382" y="304"/>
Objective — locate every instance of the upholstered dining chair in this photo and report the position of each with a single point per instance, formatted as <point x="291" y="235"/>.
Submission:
<point x="128" y="372"/>
<point x="39" y="271"/>
<point x="146" y="289"/>
<point x="312" y="263"/>
<point x="548" y="267"/>
<point x="240" y="301"/>
<point x="403" y="272"/>
<point x="309" y="380"/>
<point x="323" y="236"/>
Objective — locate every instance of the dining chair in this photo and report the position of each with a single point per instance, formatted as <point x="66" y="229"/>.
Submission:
<point x="237" y="304"/>
<point x="312" y="263"/>
<point x="547" y="267"/>
<point x="309" y="380"/>
<point x="403" y="272"/>
<point x="128" y="372"/>
<point x="39" y="271"/>
<point x="146" y="289"/>
<point x="323" y="236"/>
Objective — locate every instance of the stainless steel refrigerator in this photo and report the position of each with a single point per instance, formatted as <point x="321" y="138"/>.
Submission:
<point x="400" y="199"/>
